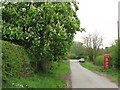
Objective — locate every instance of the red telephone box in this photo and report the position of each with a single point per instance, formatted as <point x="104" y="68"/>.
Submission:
<point x="106" y="63"/>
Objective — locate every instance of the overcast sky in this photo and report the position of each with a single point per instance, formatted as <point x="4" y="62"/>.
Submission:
<point x="98" y="16"/>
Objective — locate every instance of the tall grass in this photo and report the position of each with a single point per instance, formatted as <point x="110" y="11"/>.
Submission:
<point x="42" y="80"/>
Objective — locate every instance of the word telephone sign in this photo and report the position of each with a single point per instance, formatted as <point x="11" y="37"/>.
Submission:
<point x="106" y="63"/>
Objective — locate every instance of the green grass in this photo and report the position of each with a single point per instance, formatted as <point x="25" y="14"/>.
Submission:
<point x="112" y="73"/>
<point x="63" y="68"/>
<point x="37" y="81"/>
<point x="41" y="80"/>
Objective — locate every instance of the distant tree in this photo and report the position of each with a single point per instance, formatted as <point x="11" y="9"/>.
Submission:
<point x="101" y="51"/>
<point x="115" y="55"/>
<point x="92" y="43"/>
<point x="78" y="49"/>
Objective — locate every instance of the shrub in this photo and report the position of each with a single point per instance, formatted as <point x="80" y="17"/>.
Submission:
<point x="99" y="60"/>
<point x="15" y="61"/>
<point x="114" y="55"/>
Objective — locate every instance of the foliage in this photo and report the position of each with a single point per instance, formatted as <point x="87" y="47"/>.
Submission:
<point x="42" y="80"/>
<point x="115" y="55"/>
<point x="77" y="50"/>
<point x="42" y="33"/>
<point x="46" y="28"/>
<point x="99" y="60"/>
<point x="15" y="61"/>
<point x="62" y="68"/>
<point x="72" y="56"/>
<point x="101" y="51"/>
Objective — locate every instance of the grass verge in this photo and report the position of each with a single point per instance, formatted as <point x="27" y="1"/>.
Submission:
<point x="112" y="74"/>
<point x="41" y="80"/>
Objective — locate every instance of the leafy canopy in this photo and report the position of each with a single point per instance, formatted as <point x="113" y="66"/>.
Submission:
<point x="45" y="28"/>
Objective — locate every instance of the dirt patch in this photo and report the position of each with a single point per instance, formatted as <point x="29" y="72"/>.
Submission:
<point x="67" y="77"/>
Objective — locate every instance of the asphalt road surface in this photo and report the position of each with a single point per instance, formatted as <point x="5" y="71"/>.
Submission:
<point x="84" y="78"/>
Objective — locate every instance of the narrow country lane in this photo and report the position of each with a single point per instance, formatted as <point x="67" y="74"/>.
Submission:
<point x="84" y="78"/>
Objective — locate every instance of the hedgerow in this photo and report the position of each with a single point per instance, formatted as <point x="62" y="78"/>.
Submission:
<point x="15" y="61"/>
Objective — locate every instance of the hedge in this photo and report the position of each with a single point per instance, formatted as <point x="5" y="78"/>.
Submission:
<point x="15" y="61"/>
<point x="99" y="60"/>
